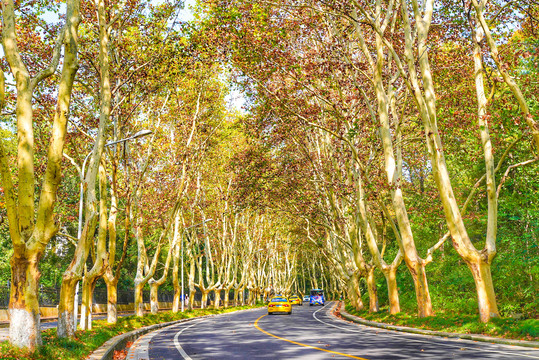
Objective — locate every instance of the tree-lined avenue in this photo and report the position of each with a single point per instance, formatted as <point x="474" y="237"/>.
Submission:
<point x="387" y="152"/>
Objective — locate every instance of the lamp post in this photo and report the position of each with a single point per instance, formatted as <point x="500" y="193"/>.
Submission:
<point x="182" y="297"/>
<point x="82" y="173"/>
<point x="81" y="198"/>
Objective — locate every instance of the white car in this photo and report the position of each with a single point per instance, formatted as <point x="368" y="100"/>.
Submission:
<point x="306" y="298"/>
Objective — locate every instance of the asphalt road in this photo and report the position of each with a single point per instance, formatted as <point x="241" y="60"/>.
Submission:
<point x="309" y="333"/>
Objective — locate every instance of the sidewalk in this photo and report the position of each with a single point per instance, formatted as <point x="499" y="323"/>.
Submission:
<point x="5" y="323"/>
<point x="474" y="337"/>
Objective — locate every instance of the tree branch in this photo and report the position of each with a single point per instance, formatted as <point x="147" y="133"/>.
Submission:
<point x="439" y="244"/>
<point x="49" y="70"/>
<point x="509" y="169"/>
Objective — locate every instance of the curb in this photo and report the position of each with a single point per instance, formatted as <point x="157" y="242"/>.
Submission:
<point x="106" y="351"/>
<point x="473" y="337"/>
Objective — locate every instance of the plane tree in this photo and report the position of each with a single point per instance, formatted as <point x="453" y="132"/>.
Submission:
<point x="31" y="228"/>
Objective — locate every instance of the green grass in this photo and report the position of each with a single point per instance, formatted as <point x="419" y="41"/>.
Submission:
<point x="507" y="328"/>
<point x="85" y="342"/>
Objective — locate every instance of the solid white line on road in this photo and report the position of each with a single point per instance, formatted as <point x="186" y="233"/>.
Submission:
<point x="177" y="342"/>
<point x="392" y="333"/>
<point x="140" y="350"/>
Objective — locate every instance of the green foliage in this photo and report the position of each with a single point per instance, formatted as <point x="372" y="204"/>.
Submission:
<point x="5" y="255"/>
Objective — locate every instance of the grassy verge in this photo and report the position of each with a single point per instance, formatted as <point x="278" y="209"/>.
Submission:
<point x="85" y="342"/>
<point x="507" y="328"/>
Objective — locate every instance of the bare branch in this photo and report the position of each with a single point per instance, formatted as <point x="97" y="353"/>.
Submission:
<point x="438" y="245"/>
<point x="509" y="169"/>
<point x="72" y="240"/>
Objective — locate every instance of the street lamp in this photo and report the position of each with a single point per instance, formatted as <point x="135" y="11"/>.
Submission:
<point x="141" y="133"/>
<point x="182" y="297"/>
<point x="138" y="134"/>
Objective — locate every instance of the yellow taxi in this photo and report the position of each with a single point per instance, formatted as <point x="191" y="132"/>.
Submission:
<point x="295" y="300"/>
<point x="279" y="304"/>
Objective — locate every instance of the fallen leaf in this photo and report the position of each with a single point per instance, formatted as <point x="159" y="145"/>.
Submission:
<point x="119" y="355"/>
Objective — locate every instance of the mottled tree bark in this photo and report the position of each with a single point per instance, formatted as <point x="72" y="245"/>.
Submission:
<point x="373" y="292"/>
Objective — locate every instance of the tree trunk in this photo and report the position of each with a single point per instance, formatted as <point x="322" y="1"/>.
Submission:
<point x="24" y="328"/>
<point x="250" y="297"/>
<point x="217" y="302"/>
<point x="112" y="301"/>
<point x="191" y="300"/>
<point x="419" y="276"/>
<point x="66" y="307"/>
<point x="227" y="297"/>
<point x="176" y="302"/>
<point x="204" y="300"/>
<point x="88" y="286"/>
<point x="393" y="291"/>
<point x="154" y="301"/>
<point x="191" y="281"/>
<point x="84" y="310"/>
<point x="486" y="297"/>
<point x="242" y="296"/>
<point x="373" y="294"/>
<point x="355" y="293"/>
<point x="139" y="304"/>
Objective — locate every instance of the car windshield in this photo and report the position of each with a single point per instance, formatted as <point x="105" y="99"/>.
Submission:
<point x="279" y="300"/>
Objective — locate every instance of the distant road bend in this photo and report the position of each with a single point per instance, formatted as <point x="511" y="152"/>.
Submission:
<point x="309" y="333"/>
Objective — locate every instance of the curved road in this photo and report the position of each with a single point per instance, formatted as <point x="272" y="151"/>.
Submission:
<point x="309" y="333"/>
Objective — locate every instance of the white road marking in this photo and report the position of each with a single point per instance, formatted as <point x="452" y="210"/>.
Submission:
<point x="177" y="342"/>
<point x="391" y="333"/>
<point x="140" y="350"/>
